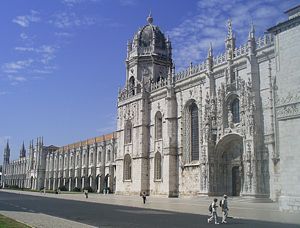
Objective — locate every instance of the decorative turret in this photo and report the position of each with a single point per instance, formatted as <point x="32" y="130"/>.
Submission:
<point x="6" y="154"/>
<point x="251" y="40"/>
<point x="230" y="41"/>
<point x="23" y="151"/>
<point x="149" y="58"/>
<point x="210" y="57"/>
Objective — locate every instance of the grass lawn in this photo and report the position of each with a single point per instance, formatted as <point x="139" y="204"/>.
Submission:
<point x="6" y="222"/>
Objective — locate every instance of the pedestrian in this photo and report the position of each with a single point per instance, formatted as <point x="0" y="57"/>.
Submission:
<point x="213" y="211"/>
<point x="224" y="206"/>
<point x="86" y="193"/>
<point x="144" y="197"/>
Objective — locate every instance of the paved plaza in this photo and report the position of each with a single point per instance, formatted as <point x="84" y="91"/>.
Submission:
<point x="240" y="208"/>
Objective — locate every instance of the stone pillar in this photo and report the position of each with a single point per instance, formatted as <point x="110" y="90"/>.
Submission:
<point x="54" y="184"/>
<point x="82" y="183"/>
<point x="99" y="184"/>
<point x="70" y="184"/>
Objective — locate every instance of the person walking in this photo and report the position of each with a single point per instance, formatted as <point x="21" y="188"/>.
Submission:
<point x="86" y="193"/>
<point x="213" y="210"/>
<point x="224" y="206"/>
<point x="144" y="197"/>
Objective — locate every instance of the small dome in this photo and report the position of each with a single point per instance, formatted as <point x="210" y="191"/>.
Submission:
<point x="149" y="34"/>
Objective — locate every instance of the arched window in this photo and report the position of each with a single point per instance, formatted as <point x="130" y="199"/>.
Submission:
<point x="127" y="167"/>
<point x="91" y="158"/>
<point x="60" y="162"/>
<point x="235" y="110"/>
<point x="157" y="166"/>
<point x="158" y="125"/>
<point x="77" y="162"/>
<point x="84" y="157"/>
<point x="99" y="156"/>
<point x="108" y="156"/>
<point x="128" y="132"/>
<point x="194" y="132"/>
<point x="131" y="86"/>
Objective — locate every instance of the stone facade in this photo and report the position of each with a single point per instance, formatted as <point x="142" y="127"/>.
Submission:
<point x="211" y="114"/>
<point x="227" y="125"/>
<point x="26" y="172"/>
<point x="89" y="163"/>
<point x="287" y="108"/>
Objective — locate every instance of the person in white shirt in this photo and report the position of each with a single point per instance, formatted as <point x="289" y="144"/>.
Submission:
<point x="214" y="214"/>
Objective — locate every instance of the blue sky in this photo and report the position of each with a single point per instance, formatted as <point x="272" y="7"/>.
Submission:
<point x="62" y="61"/>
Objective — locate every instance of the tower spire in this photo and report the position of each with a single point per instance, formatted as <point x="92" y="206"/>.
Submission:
<point x="251" y="32"/>
<point x="229" y="27"/>
<point x="150" y="18"/>
<point x="210" y="50"/>
<point x="23" y="151"/>
<point x="6" y="154"/>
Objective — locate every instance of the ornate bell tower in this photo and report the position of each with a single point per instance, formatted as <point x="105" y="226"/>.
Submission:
<point x="149" y="60"/>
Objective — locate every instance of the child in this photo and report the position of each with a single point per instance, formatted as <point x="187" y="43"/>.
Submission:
<point x="214" y="212"/>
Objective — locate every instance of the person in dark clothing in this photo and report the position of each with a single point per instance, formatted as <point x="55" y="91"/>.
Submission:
<point x="144" y="197"/>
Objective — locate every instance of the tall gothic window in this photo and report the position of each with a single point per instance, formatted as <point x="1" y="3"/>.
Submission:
<point x="108" y="155"/>
<point x="77" y="160"/>
<point x="157" y="166"/>
<point x="99" y="156"/>
<point x="127" y="167"/>
<point x="158" y="125"/>
<point x="60" y="163"/>
<point x="128" y="132"/>
<point x="194" y="132"/>
<point x="84" y="159"/>
<point x="91" y="158"/>
<point x="131" y="85"/>
<point x="235" y="110"/>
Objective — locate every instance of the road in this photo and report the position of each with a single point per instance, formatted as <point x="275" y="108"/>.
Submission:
<point x="104" y="215"/>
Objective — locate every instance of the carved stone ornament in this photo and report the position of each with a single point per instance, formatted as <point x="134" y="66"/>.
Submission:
<point x="288" y="106"/>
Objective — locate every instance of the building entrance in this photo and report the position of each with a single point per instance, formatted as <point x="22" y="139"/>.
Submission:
<point x="229" y="160"/>
<point x="236" y="181"/>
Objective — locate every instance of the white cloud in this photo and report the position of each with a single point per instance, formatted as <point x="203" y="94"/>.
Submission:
<point x="63" y="34"/>
<point x="23" y="36"/>
<point x="46" y="52"/>
<point x="24" y="49"/>
<point x="191" y="37"/>
<point x="17" y="78"/>
<point x="72" y="3"/>
<point x="69" y="20"/>
<point x="2" y="93"/>
<point x="24" y="21"/>
<point x="14" y="67"/>
<point x="128" y="2"/>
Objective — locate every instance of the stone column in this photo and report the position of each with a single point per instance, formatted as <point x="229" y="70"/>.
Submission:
<point x="82" y="183"/>
<point x="99" y="184"/>
<point x="70" y="184"/>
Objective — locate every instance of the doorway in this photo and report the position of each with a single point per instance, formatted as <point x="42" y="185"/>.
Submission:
<point x="236" y="181"/>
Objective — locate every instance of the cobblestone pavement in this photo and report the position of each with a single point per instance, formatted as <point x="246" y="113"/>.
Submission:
<point x="244" y="208"/>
